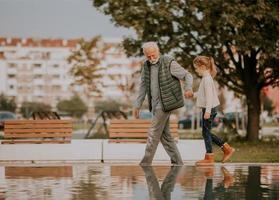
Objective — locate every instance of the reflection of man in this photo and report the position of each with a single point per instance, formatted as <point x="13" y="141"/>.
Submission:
<point x="167" y="186"/>
<point x="160" y="81"/>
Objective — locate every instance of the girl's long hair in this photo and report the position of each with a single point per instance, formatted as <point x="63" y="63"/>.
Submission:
<point x="208" y="62"/>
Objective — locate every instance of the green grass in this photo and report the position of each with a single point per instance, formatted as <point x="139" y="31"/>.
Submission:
<point x="189" y="134"/>
<point x="246" y="152"/>
<point x="271" y="124"/>
<point x="78" y="126"/>
<point x="264" y="151"/>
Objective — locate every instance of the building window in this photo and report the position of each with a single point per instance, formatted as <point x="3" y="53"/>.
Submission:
<point x="56" y="87"/>
<point x="12" y="65"/>
<point x="38" y="76"/>
<point x="11" y="87"/>
<point x="11" y="75"/>
<point x="37" y="65"/>
<point x="39" y="87"/>
<point x="56" y="76"/>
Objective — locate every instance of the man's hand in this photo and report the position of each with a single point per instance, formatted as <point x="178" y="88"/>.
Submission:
<point x="136" y="113"/>
<point x="188" y="94"/>
<point x="206" y="115"/>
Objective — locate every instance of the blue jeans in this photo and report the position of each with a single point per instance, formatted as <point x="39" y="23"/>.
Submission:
<point x="209" y="137"/>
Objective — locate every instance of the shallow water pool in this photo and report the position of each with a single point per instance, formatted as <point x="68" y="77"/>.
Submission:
<point x="112" y="181"/>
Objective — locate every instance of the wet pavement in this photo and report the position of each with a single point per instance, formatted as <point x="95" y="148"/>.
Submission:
<point x="126" y="181"/>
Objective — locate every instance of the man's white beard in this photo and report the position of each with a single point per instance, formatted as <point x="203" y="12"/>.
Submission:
<point x="154" y="61"/>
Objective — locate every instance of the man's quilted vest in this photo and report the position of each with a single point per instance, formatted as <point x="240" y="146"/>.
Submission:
<point x="170" y="89"/>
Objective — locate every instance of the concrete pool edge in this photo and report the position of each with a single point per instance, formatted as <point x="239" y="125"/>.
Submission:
<point x="115" y="163"/>
<point x="98" y="150"/>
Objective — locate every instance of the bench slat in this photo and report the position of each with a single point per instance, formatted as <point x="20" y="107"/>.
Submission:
<point x="38" y="122"/>
<point x="135" y="131"/>
<point x="128" y="130"/>
<point x="140" y="135"/>
<point x="38" y="130"/>
<point x="38" y="135"/>
<point x="128" y="125"/>
<point x="136" y="121"/>
<point x="22" y="126"/>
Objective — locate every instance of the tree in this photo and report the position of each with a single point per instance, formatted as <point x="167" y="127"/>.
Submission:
<point x="110" y="105"/>
<point x="86" y="63"/>
<point x="27" y="108"/>
<point x="87" y="68"/>
<point x="75" y="107"/>
<point x="126" y="83"/>
<point x="241" y="35"/>
<point x="7" y="104"/>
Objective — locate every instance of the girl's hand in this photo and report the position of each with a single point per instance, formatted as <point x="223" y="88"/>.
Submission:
<point x="206" y="115"/>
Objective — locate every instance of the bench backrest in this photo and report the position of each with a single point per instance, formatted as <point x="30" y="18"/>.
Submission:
<point x="37" y="131"/>
<point x="135" y="130"/>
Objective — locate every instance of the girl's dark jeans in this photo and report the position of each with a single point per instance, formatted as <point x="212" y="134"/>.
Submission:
<point x="208" y="137"/>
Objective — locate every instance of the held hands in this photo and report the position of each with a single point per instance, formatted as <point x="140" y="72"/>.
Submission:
<point x="188" y="94"/>
<point x="136" y="113"/>
<point x="206" y="115"/>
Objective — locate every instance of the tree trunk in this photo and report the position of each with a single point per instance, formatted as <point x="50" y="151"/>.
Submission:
<point x="254" y="110"/>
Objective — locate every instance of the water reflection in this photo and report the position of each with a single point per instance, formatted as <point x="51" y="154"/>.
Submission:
<point x="17" y="172"/>
<point x="163" y="193"/>
<point x="133" y="182"/>
<point x="208" y="173"/>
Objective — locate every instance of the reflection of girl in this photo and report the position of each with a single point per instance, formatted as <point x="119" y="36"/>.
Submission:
<point x="207" y="100"/>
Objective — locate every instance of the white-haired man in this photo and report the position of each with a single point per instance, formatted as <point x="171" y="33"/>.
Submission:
<point x="160" y="81"/>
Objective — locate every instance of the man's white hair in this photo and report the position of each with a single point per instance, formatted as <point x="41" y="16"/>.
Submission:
<point x="148" y="45"/>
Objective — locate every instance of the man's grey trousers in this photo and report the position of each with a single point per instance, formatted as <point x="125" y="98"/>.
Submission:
<point x="160" y="131"/>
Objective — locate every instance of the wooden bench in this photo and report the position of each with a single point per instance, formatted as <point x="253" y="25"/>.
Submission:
<point x="129" y="131"/>
<point x="37" y="131"/>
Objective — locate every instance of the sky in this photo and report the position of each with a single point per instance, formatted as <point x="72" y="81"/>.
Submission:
<point x="56" y="19"/>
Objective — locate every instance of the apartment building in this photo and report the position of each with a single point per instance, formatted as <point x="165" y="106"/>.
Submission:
<point x="37" y="70"/>
<point x="120" y="72"/>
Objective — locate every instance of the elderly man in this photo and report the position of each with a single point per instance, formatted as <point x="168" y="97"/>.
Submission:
<point x="160" y="77"/>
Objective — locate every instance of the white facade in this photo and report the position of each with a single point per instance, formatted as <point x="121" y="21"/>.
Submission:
<point x="37" y="70"/>
<point x="119" y="71"/>
<point x="35" y="74"/>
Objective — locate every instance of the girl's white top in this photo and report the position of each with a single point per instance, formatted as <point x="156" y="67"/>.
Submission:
<point x="207" y="96"/>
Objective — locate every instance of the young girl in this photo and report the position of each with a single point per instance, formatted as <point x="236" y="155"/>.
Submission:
<point x="207" y="100"/>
